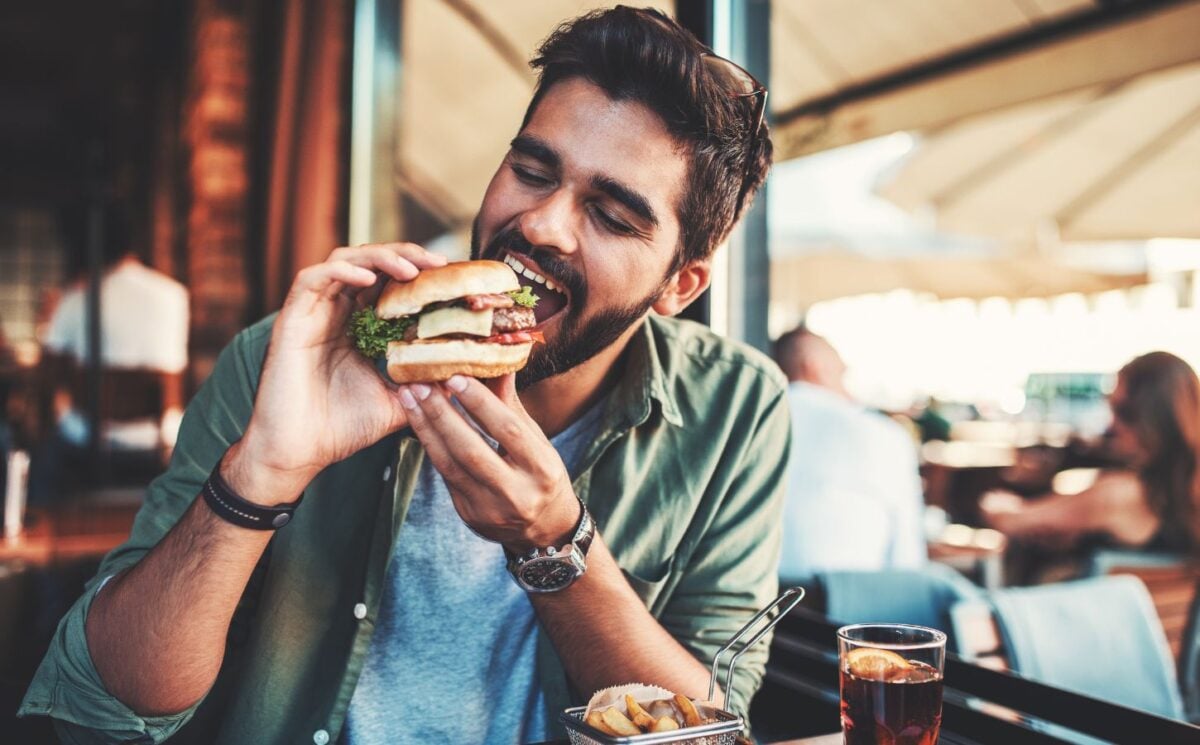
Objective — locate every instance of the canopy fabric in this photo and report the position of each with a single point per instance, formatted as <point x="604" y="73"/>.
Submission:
<point x="1118" y="162"/>
<point x="804" y="279"/>
<point x="848" y="70"/>
<point x="819" y="47"/>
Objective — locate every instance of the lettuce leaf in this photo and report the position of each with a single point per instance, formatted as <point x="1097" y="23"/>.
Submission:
<point x="371" y="333"/>
<point x="524" y="297"/>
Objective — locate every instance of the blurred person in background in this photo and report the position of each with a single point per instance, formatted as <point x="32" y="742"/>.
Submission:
<point x="854" y="497"/>
<point x="1152" y="500"/>
<point x="143" y="354"/>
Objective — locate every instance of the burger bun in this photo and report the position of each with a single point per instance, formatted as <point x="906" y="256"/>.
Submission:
<point x="436" y="360"/>
<point x="443" y="283"/>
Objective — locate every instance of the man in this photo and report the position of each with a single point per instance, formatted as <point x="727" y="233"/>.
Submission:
<point x="383" y="611"/>
<point x="854" y="496"/>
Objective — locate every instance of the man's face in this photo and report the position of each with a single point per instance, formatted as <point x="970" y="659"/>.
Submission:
<point x="586" y="199"/>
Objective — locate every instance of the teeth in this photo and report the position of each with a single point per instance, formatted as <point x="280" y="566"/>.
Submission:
<point x="525" y="271"/>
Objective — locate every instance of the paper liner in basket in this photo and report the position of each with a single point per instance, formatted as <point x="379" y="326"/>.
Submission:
<point x="614" y="696"/>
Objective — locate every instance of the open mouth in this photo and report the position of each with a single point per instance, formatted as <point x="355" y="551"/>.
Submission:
<point x="552" y="297"/>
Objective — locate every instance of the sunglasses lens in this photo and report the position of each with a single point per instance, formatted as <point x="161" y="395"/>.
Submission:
<point x="737" y="80"/>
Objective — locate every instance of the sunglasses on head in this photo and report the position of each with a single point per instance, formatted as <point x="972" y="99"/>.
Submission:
<point x="739" y="84"/>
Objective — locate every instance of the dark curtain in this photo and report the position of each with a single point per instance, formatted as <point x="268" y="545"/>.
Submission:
<point x="303" y="52"/>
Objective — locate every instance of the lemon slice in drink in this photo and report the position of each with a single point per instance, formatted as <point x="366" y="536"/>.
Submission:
<point x="875" y="664"/>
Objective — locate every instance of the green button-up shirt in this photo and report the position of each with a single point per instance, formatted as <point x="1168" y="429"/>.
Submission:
<point x="685" y="479"/>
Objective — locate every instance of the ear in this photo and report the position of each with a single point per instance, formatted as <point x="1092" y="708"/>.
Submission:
<point x="684" y="287"/>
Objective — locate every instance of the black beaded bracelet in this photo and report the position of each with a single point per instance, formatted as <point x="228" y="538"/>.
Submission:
<point x="225" y="502"/>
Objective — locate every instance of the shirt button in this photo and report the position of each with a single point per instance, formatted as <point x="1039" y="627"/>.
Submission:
<point x="387" y="473"/>
<point x="360" y="611"/>
<point x="321" y="737"/>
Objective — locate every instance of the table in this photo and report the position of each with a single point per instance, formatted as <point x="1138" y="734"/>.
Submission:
<point x="800" y="698"/>
<point x="70" y="531"/>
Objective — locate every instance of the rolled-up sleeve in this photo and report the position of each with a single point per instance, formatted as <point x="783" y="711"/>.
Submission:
<point x="66" y="686"/>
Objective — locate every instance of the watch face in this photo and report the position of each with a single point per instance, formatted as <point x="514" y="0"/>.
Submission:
<point x="549" y="573"/>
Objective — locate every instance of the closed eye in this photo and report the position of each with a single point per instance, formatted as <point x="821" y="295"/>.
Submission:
<point x="611" y="223"/>
<point x="526" y="176"/>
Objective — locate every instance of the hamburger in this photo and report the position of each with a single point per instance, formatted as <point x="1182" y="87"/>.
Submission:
<point x="465" y="318"/>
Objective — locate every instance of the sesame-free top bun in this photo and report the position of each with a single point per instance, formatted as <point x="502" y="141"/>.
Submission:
<point x="434" y="360"/>
<point x="449" y="282"/>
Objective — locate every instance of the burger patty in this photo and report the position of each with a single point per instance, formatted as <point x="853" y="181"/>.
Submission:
<point x="504" y="321"/>
<point x="515" y="318"/>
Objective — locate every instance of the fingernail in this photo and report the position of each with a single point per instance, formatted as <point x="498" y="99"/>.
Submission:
<point x="407" y="400"/>
<point x="421" y="391"/>
<point x="457" y="383"/>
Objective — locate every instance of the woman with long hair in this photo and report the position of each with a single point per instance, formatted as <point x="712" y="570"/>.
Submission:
<point x="1154" y="501"/>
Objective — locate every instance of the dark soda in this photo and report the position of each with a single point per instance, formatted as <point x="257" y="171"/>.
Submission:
<point x="901" y="707"/>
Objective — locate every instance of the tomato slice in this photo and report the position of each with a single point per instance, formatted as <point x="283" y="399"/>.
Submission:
<point x="516" y="337"/>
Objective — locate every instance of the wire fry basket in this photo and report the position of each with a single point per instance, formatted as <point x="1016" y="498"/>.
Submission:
<point x="724" y="728"/>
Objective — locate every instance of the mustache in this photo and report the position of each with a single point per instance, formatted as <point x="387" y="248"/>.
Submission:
<point x="554" y="267"/>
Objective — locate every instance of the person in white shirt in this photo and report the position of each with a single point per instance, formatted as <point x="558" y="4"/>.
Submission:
<point x="143" y="329"/>
<point x="854" y="496"/>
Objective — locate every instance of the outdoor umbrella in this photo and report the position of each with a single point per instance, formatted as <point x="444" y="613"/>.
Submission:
<point x="1118" y="162"/>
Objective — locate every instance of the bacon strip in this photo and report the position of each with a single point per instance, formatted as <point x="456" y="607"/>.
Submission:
<point x="493" y="300"/>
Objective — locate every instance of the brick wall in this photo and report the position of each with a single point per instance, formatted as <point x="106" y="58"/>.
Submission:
<point x="216" y="135"/>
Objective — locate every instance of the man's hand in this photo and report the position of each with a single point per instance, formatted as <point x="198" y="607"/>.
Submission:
<point x="319" y="400"/>
<point x="520" y="496"/>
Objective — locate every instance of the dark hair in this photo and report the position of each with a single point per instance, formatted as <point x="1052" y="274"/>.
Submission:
<point x="1162" y="396"/>
<point x="117" y="237"/>
<point x="642" y="55"/>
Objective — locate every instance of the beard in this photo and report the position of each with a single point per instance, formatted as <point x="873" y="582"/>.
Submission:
<point x="581" y="335"/>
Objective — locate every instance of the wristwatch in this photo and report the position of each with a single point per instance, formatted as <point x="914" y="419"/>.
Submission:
<point x="553" y="569"/>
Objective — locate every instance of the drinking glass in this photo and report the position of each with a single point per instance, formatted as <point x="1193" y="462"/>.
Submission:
<point x="891" y="681"/>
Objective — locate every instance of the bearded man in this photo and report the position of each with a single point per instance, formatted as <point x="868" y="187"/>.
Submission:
<point x="648" y="453"/>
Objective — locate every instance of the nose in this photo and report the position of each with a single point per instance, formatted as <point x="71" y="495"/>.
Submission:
<point x="550" y="223"/>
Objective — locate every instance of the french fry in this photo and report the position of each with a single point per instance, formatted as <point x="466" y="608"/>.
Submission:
<point x="595" y="720"/>
<point x="619" y="723"/>
<point x="691" y="717"/>
<point x="664" y="724"/>
<point x="638" y="714"/>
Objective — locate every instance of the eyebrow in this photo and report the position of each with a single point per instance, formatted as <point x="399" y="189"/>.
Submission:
<point x="634" y="202"/>
<point x="537" y="149"/>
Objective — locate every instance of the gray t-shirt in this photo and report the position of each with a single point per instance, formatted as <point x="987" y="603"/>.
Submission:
<point x="454" y="654"/>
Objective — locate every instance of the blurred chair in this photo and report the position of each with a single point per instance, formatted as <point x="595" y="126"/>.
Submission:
<point x="1189" y="660"/>
<point x="922" y="596"/>
<point x="1171" y="579"/>
<point x="1099" y="637"/>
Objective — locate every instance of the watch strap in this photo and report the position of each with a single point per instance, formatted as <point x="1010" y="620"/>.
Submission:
<point x="581" y="540"/>
<point x="231" y="507"/>
<point x="585" y="532"/>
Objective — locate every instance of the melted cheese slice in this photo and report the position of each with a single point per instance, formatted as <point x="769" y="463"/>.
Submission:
<point x="454" y="321"/>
